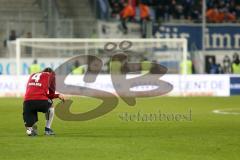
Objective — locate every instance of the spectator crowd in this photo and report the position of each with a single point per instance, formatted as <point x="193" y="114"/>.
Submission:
<point x="228" y="65"/>
<point x="217" y="11"/>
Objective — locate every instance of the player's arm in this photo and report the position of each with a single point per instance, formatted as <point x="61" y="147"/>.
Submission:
<point x="52" y="88"/>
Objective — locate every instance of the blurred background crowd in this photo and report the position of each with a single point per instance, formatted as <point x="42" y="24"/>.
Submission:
<point x="128" y="19"/>
<point x="217" y="11"/>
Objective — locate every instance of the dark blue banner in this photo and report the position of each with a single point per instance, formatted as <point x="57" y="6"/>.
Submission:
<point x="222" y="37"/>
<point x="235" y="85"/>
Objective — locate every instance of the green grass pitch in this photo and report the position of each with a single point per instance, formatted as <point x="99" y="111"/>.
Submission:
<point x="207" y="136"/>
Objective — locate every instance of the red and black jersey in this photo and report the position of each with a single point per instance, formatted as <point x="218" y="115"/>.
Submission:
<point x="41" y="86"/>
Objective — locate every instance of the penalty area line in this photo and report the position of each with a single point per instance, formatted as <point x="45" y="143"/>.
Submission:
<point x="226" y="111"/>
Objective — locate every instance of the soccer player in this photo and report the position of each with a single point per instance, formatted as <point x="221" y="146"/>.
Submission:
<point x="38" y="98"/>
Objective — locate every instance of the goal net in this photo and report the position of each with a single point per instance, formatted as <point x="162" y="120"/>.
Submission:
<point x="53" y="52"/>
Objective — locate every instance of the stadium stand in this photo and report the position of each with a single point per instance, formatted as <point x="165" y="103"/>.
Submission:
<point x="20" y="16"/>
<point x="56" y="18"/>
<point x="79" y="19"/>
<point x="182" y="10"/>
<point x="81" y="14"/>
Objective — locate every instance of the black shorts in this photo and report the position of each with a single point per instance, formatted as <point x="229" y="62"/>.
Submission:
<point x="31" y="109"/>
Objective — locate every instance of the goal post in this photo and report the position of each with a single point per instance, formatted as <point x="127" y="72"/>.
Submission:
<point x="169" y="52"/>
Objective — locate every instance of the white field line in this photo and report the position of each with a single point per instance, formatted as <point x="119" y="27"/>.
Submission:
<point x="227" y="111"/>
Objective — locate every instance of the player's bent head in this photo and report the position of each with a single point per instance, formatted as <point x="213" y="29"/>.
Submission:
<point x="48" y="69"/>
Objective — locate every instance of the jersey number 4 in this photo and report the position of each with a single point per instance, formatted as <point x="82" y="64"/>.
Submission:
<point x="36" y="77"/>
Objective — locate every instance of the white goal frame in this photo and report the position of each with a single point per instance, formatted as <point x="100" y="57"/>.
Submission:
<point x="76" y="40"/>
